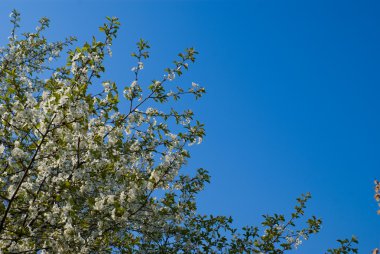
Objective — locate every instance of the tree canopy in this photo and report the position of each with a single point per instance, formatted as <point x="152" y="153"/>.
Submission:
<point x="81" y="173"/>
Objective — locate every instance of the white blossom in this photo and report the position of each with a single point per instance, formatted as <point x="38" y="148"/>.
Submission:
<point x="171" y="76"/>
<point x="17" y="153"/>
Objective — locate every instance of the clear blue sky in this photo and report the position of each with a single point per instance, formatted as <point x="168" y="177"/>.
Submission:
<point x="292" y="101"/>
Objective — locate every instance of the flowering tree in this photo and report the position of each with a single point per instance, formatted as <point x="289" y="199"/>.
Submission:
<point x="79" y="173"/>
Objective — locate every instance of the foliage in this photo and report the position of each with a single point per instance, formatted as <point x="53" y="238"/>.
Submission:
<point x="346" y="246"/>
<point x="81" y="173"/>
<point x="377" y="194"/>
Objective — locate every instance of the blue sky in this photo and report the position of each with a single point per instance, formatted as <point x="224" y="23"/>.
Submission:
<point x="292" y="103"/>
